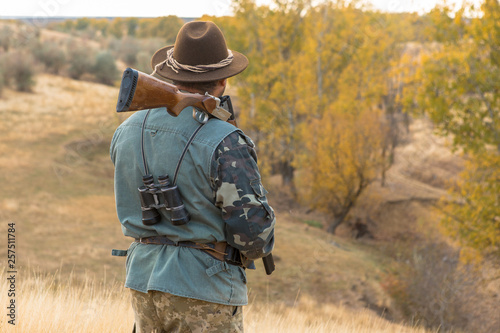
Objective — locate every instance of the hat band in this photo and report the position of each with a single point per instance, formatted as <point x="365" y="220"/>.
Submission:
<point x="176" y="66"/>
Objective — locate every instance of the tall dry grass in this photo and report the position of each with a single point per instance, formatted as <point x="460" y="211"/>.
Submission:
<point x="48" y="303"/>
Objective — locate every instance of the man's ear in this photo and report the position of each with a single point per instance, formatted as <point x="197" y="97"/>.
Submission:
<point x="220" y="88"/>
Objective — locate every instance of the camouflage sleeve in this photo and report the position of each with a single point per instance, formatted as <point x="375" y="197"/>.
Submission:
<point x="239" y="194"/>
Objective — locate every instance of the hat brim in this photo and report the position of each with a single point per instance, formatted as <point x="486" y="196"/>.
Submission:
<point x="238" y="65"/>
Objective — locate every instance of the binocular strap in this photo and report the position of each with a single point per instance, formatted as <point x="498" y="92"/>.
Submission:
<point x="177" y="168"/>
<point x="146" y="170"/>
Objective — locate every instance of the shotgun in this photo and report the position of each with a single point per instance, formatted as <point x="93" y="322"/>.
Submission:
<point x="139" y="91"/>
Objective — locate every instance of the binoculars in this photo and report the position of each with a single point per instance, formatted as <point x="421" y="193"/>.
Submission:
<point x="155" y="197"/>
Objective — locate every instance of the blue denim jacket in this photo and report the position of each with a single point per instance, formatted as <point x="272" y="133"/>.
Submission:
<point x="177" y="270"/>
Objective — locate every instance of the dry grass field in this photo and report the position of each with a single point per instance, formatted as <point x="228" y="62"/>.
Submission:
<point x="57" y="187"/>
<point x="48" y="305"/>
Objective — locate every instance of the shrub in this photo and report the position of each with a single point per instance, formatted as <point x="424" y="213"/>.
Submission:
<point x="128" y="51"/>
<point x="5" y="38"/>
<point x="80" y="59"/>
<point x="147" y="48"/>
<point x="105" y="69"/>
<point x="144" y="62"/>
<point x="51" y="55"/>
<point x="444" y="293"/>
<point x="20" y="70"/>
<point x="1" y="78"/>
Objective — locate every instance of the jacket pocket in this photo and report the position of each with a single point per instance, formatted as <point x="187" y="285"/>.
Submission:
<point x="260" y="193"/>
<point x="218" y="267"/>
<point x="129" y="253"/>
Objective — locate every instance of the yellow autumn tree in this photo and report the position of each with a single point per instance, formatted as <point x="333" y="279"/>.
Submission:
<point x="474" y="218"/>
<point x="273" y="88"/>
<point x="459" y="90"/>
<point x="360" y="115"/>
<point x="344" y="160"/>
<point x="318" y="64"/>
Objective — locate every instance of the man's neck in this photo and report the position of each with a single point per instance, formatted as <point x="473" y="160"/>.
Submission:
<point x="192" y="91"/>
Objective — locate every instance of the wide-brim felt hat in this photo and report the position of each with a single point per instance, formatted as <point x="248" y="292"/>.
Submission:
<point x="199" y="54"/>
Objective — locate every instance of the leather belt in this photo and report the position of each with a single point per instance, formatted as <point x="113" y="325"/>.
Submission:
<point x="219" y="250"/>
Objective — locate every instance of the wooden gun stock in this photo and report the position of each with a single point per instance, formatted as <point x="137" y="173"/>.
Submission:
<point x="139" y="91"/>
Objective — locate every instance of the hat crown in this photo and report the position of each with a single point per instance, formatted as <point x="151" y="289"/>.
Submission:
<point x="200" y="54"/>
<point x="200" y="43"/>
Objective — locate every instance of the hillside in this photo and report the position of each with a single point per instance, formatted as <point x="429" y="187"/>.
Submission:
<point x="57" y="182"/>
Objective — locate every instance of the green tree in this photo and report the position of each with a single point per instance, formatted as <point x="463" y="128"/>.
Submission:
<point x="474" y="218"/>
<point x="461" y="80"/>
<point x="165" y="27"/>
<point x="460" y="92"/>
<point x="65" y="26"/>
<point x="131" y="23"/>
<point x="82" y="23"/>
<point x="117" y="27"/>
<point x="100" y="25"/>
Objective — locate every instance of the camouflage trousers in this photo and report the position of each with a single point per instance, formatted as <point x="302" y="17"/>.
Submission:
<point x="158" y="312"/>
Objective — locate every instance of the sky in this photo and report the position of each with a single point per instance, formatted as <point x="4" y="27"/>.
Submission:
<point x="154" y="8"/>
